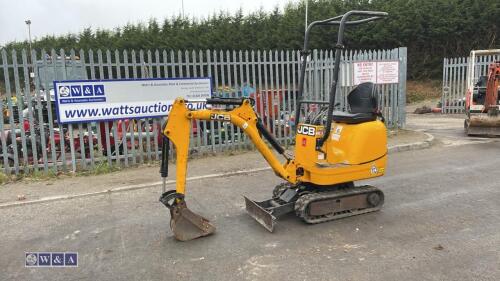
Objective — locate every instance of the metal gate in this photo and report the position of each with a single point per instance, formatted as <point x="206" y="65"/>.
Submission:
<point x="455" y="81"/>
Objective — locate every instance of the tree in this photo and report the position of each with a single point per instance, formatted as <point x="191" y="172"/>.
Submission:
<point x="431" y="29"/>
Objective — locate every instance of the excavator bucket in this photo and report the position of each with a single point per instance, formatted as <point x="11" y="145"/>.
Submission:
<point x="185" y="224"/>
<point x="483" y="124"/>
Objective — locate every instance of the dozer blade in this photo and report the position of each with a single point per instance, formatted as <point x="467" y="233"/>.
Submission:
<point x="482" y="124"/>
<point x="483" y="131"/>
<point x="260" y="214"/>
<point x="185" y="224"/>
<point x="266" y="212"/>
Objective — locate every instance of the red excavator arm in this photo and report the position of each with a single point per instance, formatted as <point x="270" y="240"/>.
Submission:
<point x="493" y="86"/>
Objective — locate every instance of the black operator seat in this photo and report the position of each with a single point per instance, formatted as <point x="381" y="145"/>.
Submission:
<point x="363" y="105"/>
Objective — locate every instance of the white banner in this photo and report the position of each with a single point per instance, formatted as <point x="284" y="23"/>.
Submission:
<point x="100" y="100"/>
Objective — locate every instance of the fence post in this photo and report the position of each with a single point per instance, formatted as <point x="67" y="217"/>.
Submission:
<point x="444" y="85"/>
<point x="27" y="95"/>
<point x="402" y="86"/>
<point x="2" y="131"/>
<point x="10" y="111"/>
<point x="20" y="108"/>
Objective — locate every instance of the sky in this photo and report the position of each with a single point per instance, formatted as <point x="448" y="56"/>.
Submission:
<point x="60" y="17"/>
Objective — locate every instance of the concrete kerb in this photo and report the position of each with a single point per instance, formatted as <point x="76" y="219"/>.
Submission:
<point x="413" y="146"/>
<point x="127" y="188"/>
<point x="392" y="149"/>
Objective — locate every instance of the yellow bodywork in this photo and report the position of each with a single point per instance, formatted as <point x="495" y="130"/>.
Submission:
<point x="352" y="152"/>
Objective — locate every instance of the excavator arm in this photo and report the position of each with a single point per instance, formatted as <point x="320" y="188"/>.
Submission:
<point x="487" y="121"/>
<point x="492" y="87"/>
<point x="179" y="125"/>
<point x="185" y="224"/>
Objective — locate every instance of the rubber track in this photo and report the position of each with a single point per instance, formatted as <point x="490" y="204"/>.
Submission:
<point x="304" y="200"/>
<point x="280" y="188"/>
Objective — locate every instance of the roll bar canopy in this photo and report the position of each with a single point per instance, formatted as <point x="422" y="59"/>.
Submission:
<point x="342" y="21"/>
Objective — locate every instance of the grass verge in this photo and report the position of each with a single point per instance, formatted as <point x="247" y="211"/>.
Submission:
<point x="4" y="178"/>
<point x="417" y="91"/>
<point x="100" y="168"/>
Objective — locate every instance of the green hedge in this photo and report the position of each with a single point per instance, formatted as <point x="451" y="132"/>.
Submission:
<point x="431" y="29"/>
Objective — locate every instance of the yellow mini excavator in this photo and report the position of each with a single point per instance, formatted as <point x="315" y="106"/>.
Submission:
<point x="332" y="150"/>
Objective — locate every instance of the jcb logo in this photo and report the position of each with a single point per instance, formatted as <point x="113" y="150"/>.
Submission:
<point x="306" y="130"/>
<point x="220" y="117"/>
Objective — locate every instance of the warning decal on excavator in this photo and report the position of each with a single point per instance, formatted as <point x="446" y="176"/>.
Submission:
<point x="336" y="133"/>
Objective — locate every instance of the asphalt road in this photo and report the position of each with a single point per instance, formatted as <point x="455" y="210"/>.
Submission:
<point x="449" y="127"/>
<point x="439" y="222"/>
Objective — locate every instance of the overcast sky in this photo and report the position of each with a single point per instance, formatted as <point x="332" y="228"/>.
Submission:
<point x="63" y="16"/>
